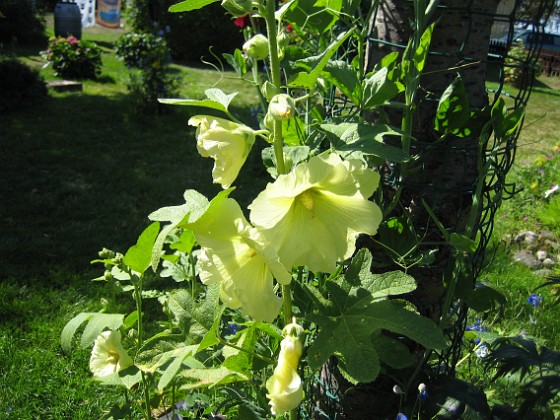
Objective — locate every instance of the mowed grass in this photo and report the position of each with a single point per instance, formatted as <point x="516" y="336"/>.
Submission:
<point x="79" y="172"/>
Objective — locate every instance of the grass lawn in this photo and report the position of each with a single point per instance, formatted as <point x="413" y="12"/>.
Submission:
<point x="82" y="171"/>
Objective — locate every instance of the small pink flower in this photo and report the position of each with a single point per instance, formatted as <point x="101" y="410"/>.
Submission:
<point x="72" y="40"/>
<point x="242" y="22"/>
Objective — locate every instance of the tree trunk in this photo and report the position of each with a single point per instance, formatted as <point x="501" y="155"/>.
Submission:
<point x="444" y="176"/>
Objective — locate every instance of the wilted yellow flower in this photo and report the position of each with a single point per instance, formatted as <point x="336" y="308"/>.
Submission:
<point x="108" y="355"/>
<point x="226" y="142"/>
<point x="235" y="254"/>
<point x="315" y="213"/>
<point x="284" y="387"/>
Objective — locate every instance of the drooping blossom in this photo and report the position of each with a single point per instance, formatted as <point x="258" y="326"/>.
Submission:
<point x="285" y="390"/>
<point x="108" y="355"/>
<point x="314" y="214"/>
<point x="242" y="260"/>
<point x="226" y="142"/>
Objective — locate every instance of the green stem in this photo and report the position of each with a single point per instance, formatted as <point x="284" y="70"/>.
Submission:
<point x="272" y="33"/>
<point x="287" y="299"/>
<point x="138" y="300"/>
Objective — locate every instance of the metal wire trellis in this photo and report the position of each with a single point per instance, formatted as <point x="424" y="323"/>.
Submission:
<point x="495" y="154"/>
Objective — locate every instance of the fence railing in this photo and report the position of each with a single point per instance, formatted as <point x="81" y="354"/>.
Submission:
<point x="549" y="59"/>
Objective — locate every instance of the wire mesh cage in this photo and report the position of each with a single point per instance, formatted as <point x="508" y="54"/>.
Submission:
<point x="480" y="41"/>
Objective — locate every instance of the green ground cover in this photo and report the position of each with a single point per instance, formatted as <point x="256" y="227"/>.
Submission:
<point x="82" y="171"/>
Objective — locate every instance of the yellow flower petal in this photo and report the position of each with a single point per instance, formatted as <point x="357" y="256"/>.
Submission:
<point x="108" y="355"/>
<point x="240" y="258"/>
<point x="314" y="214"/>
<point x="226" y="142"/>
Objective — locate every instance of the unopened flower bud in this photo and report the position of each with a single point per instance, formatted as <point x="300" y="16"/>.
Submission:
<point x="282" y="107"/>
<point x="284" y="387"/>
<point x="257" y="47"/>
<point x="398" y="390"/>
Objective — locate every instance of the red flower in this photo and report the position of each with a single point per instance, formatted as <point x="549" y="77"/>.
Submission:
<point x="289" y="28"/>
<point x="242" y="21"/>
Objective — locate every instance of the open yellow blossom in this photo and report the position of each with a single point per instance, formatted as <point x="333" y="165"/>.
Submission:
<point x="284" y="387"/>
<point x="108" y="355"/>
<point x="226" y="142"/>
<point x="235" y="254"/>
<point x="315" y="213"/>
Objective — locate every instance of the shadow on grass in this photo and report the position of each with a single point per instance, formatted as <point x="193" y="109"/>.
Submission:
<point x="81" y="172"/>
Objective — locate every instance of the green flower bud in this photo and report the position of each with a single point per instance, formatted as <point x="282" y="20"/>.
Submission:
<point x="238" y="8"/>
<point x="282" y="107"/>
<point x="268" y="90"/>
<point x="257" y="47"/>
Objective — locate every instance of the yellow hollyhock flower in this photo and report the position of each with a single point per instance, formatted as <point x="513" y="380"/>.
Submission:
<point x="235" y="254"/>
<point x="108" y="355"/>
<point x="315" y="213"/>
<point x="284" y="387"/>
<point x="226" y="142"/>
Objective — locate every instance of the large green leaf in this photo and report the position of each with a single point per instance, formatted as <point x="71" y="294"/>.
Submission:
<point x="139" y="256"/>
<point x="216" y="99"/>
<point x="344" y="77"/>
<point x="313" y="15"/>
<point x="188" y="5"/>
<point x="316" y="64"/>
<point x="421" y="52"/>
<point x="381" y="285"/>
<point x="96" y="324"/>
<point x="195" y="206"/>
<point x="195" y="317"/>
<point x="378" y="88"/>
<point x="453" y="112"/>
<point x="365" y="138"/>
<point x="210" y="377"/>
<point x="346" y="328"/>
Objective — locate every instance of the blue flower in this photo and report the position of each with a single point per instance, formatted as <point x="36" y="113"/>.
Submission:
<point x="482" y="351"/>
<point x="401" y="416"/>
<point x="534" y="300"/>
<point x="477" y="326"/>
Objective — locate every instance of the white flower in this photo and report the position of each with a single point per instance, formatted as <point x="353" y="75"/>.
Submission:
<point x="550" y="191"/>
<point x="108" y="355"/>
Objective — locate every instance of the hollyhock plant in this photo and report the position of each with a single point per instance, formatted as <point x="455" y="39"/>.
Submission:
<point x="240" y="258"/>
<point x="226" y="142"/>
<point x="316" y="212"/>
<point x="284" y="387"/>
<point x="108" y="355"/>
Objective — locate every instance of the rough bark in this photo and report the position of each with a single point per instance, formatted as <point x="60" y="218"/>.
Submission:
<point x="445" y="174"/>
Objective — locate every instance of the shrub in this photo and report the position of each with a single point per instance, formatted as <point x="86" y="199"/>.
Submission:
<point x="72" y="58"/>
<point x="18" y="21"/>
<point x="518" y="73"/>
<point x="148" y="57"/>
<point x="190" y="35"/>
<point x="20" y="86"/>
